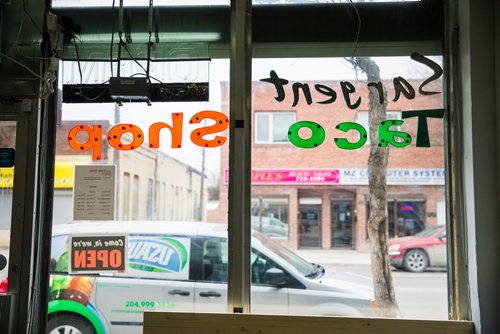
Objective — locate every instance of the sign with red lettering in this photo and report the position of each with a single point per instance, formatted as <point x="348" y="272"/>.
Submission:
<point x="95" y="254"/>
<point x="292" y="176"/>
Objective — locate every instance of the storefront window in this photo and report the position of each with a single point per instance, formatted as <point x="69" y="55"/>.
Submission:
<point x="409" y="215"/>
<point x="148" y="171"/>
<point x="270" y="216"/>
<point x="324" y="173"/>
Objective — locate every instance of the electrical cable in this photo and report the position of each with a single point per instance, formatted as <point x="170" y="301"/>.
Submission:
<point x="78" y="60"/>
<point x="22" y="65"/>
<point x="120" y="34"/>
<point x="16" y="43"/>
<point x="150" y="28"/>
<point x="134" y="59"/>
<point x="143" y="74"/>
<point x="81" y="76"/>
<point x="112" y="35"/>
<point x="359" y="28"/>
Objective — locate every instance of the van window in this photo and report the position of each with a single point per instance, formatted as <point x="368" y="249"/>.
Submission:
<point x="261" y="263"/>
<point x="59" y="254"/>
<point x="215" y="260"/>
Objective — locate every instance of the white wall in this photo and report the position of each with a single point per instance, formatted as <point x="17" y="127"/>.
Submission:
<point x="479" y="71"/>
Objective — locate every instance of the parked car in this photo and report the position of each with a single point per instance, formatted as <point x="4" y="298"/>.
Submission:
<point x="182" y="266"/>
<point x="421" y="251"/>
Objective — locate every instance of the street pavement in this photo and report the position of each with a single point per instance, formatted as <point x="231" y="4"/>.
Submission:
<point x="419" y="295"/>
<point x="337" y="257"/>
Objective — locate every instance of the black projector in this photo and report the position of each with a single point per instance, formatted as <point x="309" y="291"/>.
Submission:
<point x="129" y="88"/>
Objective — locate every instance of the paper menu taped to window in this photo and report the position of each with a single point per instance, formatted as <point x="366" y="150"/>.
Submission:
<point x="94" y="192"/>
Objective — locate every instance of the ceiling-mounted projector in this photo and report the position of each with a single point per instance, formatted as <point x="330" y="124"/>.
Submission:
<point x="129" y="89"/>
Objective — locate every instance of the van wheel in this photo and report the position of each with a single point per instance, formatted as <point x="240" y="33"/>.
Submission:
<point x="69" y="324"/>
<point x="415" y="261"/>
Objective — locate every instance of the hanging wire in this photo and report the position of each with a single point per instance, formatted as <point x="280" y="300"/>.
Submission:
<point x="126" y="47"/>
<point x="359" y="28"/>
<point x="150" y="30"/>
<point x="82" y="94"/>
<point x="78" y="60"/>
<point x="120" y="35"/>
<point x="112" y="36"/>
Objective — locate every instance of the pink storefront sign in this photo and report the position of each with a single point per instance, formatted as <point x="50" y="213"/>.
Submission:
<point x="292" y="176"/>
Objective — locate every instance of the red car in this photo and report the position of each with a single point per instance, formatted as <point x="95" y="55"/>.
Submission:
<point x="418" y="252"/>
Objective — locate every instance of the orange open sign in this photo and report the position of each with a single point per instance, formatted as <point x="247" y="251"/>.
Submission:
<point x="95" y="254"/>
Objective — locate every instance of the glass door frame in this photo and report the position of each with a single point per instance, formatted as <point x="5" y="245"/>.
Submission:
<point x="23" y="219"/>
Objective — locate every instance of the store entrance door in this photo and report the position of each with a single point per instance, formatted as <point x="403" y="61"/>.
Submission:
<point x="342" y="224"/>
<point x="18" y="162"/>
<point x="309" y="226"/>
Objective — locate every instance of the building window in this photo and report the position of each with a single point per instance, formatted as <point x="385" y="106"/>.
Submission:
<point x="157" y="200"/>
<point x="126" y="196"/>
<point x="362" y="119"/>
<point x="272" y="127"/>
<point x="135" y="198"/>
<point x="163" y="200"/>
<point x="149" y="210"/>
<point x="409" y="216"/>
<point x="270" y="216"/>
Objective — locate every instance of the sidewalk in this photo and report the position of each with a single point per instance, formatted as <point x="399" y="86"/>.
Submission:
<point x="348" y="258"/>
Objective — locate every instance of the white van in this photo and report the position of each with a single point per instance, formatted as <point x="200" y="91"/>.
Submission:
<point x="180" y="266"/>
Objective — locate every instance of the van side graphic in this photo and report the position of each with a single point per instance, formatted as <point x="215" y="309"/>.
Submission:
<point x="157" y="255"/>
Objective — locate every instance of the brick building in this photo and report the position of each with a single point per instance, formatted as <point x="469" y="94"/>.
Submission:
<point x="318" y="197"/>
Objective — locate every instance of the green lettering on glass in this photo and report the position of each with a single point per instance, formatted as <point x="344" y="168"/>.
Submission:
<point x="317" y="134"/>
<point x="422" y="129"/>
<point x="386" y="136"/>
<point x="344" y="143"/>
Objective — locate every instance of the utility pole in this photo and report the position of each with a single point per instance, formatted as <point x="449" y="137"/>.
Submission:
<point x="202" y="184"/>
<point x="116" y="162"/>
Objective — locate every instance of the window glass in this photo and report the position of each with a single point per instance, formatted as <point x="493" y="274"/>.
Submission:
<point x="273" y="127"/>
<point x="126" y="196"/>
<point x="431" y="231"/>
<point x="215" y="260"/>
<point x="270" y="216"/>
<point x="408" y="215"/>
<point x="7" y="161"/>
<point x="301" y="265"/>
<point x="263" y="127"/>
<point x="135" y="198"/>
<point x="59" y="254"/>
<point x="281" y="123"/>
<point x="318" y="184"/>
<point x="149" y="208"/>
<point x="164" y="172"/>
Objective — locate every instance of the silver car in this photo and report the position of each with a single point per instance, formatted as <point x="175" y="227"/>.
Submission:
<point x="180" y="266"/>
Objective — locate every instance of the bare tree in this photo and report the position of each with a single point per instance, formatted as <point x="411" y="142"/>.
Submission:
<point x="377" y="197"/>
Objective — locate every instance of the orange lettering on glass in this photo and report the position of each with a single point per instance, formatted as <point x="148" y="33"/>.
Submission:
<point x="93" y="141"/>
<point x="221" y="124"/>
<point x="115" y="134"/>
<point x="175" y="131"/>
<point x="115" y="137"/>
